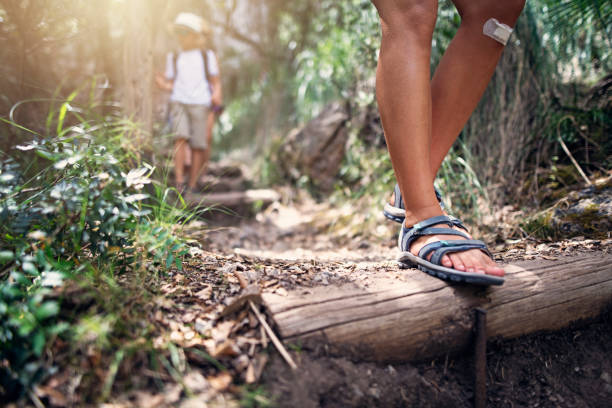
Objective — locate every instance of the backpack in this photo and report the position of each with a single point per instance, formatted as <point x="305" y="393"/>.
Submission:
<point x="204" y="58"/>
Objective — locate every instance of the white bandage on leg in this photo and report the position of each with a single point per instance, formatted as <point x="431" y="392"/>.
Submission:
<point x="498" y="31"/>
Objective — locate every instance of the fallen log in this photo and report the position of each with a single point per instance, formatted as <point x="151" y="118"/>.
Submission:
<point x="233" y="199"/>
<point x="420" y="317"/>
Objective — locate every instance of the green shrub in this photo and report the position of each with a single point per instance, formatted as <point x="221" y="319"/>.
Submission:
<point x="70" y="209"/>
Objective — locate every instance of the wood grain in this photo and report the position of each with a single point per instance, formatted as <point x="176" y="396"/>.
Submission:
<point x="421" y="317"/>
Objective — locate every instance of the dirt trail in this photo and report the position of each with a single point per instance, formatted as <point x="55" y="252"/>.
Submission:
<point x="570" y="368"/>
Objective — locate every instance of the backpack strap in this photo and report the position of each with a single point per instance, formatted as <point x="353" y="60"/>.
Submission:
<point x="204" y="58"/>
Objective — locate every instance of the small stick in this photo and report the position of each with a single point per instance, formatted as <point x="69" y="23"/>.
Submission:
<point x="281" y="349"/>
<point x="277" y="343"/>
<point x="574" y="162"/>
<point x="480" y="359"/>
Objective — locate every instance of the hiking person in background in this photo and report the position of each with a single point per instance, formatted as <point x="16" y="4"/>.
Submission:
<point x="423" y="116"/>
<point x="192" y="75"/>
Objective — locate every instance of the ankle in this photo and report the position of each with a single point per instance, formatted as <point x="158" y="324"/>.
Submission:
<point x="414" y="216"/>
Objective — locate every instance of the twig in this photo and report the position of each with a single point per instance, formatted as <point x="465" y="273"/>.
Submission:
<point x="277" y="343"/>
<point x="279" y="346"/>
<point x="35" y="400"/>
<point x="574" y="162"/>
<point x="567" y="151"/>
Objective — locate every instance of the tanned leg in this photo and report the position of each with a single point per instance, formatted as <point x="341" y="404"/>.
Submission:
<point x="465" y="70"/>
<point x="462" y="77"/>
<point x="404" y="98"/>
<point x="405" y="103"/>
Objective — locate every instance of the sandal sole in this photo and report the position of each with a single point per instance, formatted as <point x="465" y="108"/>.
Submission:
<point x="408" y="260"/>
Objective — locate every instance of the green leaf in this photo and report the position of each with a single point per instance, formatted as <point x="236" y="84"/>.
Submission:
<point x="46" y="310"/>
<point x="38" y="342"/>
<point x="29" y="268"/>
<point x="45" y="155"/>
<point x="6" y="256"/>
<point x="21" y="279"/>
<point x="169" y="260"/>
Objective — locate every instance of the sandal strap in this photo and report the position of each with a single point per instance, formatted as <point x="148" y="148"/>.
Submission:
<point x="410" y="236"/>
<point x="423" y="228"/>
<point x="444" y="247"/>
<point x="438" y="219"/>
<point x="398" y="200"/>
<point x="458" y="223"/>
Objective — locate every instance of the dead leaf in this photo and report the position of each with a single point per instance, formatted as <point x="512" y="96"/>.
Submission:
<point x="220" y="382"/>
<point x="269" y="283"/>
<point x="205" y="293"/>
<point x="250" y="293"/>
<point x="188" y="317"/>
<point x="240" y="363"/>
<point x="145" y="399"/>
<point x="195" y="382"/>
<point x="203" y="326"/>
<point x="172" y="393"/>
<point x="176" y="336"/>
<point x="227" y="349"/>
<point x="281" y="291"/>
<point x="221" y="331"/>
<point x="55" y="397"/>
<point x="255" y="369"/>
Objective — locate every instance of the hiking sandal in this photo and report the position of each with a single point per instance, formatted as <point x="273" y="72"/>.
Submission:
<point x="438" y="249"/>
<point x="397" y="211"/>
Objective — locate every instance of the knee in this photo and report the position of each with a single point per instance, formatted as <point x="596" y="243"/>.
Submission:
<point x="408" y="18"/>
<point x="506" y="11"/>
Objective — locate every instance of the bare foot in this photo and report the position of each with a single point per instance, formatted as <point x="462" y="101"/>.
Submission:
<point x="472" y="261"/>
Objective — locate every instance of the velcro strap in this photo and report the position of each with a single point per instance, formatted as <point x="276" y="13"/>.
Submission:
<point x="454" y="247"/>
<point x="409" y="235"/>
<point x="439" y="219"/>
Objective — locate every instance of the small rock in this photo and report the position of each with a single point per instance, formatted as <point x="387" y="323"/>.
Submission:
<point x="375" y="392"/>
<point x="606" y="377"/>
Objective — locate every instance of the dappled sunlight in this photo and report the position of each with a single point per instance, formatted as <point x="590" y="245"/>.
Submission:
<point x="200" y="192"/>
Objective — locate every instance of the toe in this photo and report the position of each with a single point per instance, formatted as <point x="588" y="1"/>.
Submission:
<point x="457" y="262"/>
<point x="446" y="261"/>
<point x="469" y="262"/>
<point x="490" y="267"/>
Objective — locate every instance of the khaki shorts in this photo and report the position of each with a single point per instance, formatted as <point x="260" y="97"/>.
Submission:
<point x="189" y="122"/>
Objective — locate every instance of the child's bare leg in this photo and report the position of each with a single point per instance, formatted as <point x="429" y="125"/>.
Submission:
<point x="197" y="160"/>
<point x="180" y="153"/>
<point x="210" y="123"/>
<point x="465" y="70"/>
<point x="404" y="98"/>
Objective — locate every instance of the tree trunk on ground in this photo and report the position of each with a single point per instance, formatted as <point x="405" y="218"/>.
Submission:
<point x="419" y="317"/>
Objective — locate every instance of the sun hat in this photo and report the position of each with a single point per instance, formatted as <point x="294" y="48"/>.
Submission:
<point x="191" y="22"/>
